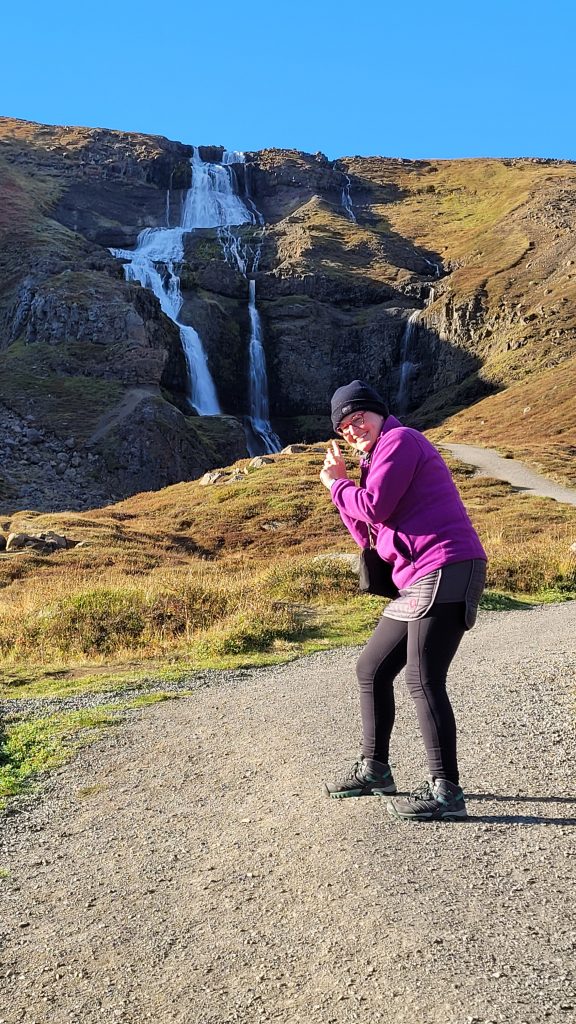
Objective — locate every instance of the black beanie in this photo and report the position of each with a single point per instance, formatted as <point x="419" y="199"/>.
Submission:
<point x="356" y="397"/>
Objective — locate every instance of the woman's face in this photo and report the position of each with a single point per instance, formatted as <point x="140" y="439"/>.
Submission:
<point x="361" y="430"/>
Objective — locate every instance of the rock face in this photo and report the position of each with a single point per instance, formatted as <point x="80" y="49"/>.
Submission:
<point x="477" y="255"/>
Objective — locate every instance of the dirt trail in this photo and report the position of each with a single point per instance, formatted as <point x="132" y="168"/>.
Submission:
<point x="188" y="869"/>
<point x="490" y="463"/>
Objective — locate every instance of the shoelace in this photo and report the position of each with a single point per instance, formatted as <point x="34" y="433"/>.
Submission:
<point x="355" y="773"/>
<point x="422" y="792"/>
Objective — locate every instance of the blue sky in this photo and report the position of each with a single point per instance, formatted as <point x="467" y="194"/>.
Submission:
<point x="414" y="79"/>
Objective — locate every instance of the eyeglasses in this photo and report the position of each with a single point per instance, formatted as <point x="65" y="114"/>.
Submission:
<point x="356" y="423"/>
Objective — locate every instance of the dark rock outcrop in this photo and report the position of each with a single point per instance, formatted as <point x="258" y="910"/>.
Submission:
<point x="92" y="365"/>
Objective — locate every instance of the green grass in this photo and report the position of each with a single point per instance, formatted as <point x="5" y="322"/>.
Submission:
<point x="496" y="601"/>
<point x="33" y="746"/>
<point x="50" y="681"/>
<point x="37" y="745"/>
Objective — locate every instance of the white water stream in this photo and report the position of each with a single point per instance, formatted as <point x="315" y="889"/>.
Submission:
<point x="212" y="201"/>
<point x="216" y="204"/>
<point x="152" y="263"/>
<point x="407" y="368"/>
<point x="347" y="200"/>
<point x="259" y="412"/>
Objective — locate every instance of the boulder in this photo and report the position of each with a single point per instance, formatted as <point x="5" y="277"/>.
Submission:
<point x="212" y="478"/>
<point x="45" y="543"/>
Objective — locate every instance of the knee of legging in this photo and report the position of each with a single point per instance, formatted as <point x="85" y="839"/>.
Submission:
<point x="365" y="669"/>
<point x="417" y="681"/>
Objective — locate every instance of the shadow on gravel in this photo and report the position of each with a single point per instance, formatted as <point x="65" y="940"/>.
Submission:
<point x="519" y="798"/>
<point x="518" y="819"/>
<point x="522" y="819"/>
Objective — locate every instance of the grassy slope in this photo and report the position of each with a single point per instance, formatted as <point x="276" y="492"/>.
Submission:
<point x="225" y="573"/>
<point x="506" y="229"/>
<point x="534" y="420"/>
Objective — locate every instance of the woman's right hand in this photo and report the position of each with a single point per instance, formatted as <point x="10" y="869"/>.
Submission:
<point x="334" y="466"/>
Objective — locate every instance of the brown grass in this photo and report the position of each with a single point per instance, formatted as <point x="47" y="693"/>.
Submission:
<point x="534" y="421"/>
<point x="196" y="571"/>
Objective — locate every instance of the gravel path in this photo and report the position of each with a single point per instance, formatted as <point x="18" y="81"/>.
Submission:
<point x="186" y="868"/>
<point x="490" y="463"/>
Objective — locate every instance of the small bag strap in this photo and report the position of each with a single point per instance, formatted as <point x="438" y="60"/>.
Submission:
<point x="371" y="537"/>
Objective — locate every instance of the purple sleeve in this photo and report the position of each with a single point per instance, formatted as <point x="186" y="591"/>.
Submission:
<point x="394" y="463"/>
<point x="359" y="531"/>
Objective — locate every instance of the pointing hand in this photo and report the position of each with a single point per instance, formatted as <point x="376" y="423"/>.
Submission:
<point x="334" y="467"/>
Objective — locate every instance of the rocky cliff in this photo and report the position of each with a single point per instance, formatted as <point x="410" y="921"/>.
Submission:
<point x="478" y="254"/>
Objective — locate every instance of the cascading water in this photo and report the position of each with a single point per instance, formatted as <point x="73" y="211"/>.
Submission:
<point x="213" y="202"/>
<point x="347" y="200"/>
<point x="406" y="367"/>
<point x="152" y="264"/>
<point x="259" y="419"/>
<point x="435" y="265"/>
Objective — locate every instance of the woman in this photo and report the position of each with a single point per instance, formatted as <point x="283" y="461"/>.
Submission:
<point x="408" y="506"/>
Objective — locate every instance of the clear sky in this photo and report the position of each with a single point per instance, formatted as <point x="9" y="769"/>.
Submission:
<point x="412" y="79"/>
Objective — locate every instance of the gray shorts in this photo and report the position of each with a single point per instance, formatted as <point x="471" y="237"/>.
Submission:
<point x="460" y="581"/>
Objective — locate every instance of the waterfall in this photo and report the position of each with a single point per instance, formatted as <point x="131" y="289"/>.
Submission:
<point x="259" y="419"/>
<point x="260" y="438"/>
<point x="347" y="200"/>
<point x="435" y="265"/>
<point x="211" y="201"/>
<point x="406" y="367"/>
<point x="214" y="203"/>
<point x="152" y="264"/>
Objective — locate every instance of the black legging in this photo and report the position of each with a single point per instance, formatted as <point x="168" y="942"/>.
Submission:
<point x="426" y="647"/>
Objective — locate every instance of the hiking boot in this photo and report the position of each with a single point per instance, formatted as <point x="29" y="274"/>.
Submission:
<point x="367" y="778"/>
<point x="439" y="800"/>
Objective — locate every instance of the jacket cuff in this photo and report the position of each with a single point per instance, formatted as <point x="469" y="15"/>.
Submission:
<point x="338" y="485"/>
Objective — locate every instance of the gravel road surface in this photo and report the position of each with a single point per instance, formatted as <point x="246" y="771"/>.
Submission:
<point x="490" y="463"/>
<point x="187" y="868"/>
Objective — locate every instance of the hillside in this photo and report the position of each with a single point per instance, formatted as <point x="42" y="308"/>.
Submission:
<point x="94" y="407"/>
<point x="228" y="573"/>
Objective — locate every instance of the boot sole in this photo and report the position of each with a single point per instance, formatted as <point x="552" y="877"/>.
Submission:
<point x="343" y="794"/>
<point x="448" y="816"/>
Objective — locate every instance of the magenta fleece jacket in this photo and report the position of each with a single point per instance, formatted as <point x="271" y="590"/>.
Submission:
<point x="408" y="498"/>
